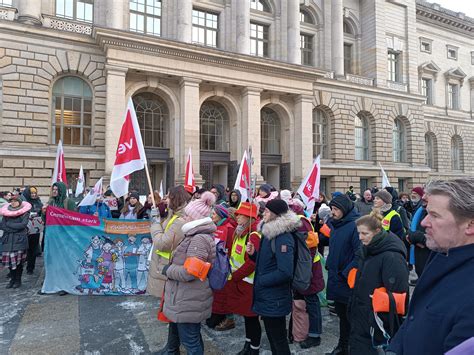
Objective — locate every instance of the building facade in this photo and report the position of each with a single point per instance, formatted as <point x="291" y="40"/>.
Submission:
<point x="360" y="82"/>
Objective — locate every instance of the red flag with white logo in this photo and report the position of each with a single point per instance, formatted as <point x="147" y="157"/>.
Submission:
<point x="59" y="172"/>
<point x="130" y="155"/>
<point x="309" y="188"/>
<point x="189" y="182"/>
<point x="243" y="183"/>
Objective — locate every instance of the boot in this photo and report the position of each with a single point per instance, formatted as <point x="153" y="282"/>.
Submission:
<point x="309" y="342"/>
<point x="245" y="350"/>
<point x="226" y="324"/>
<point x="254" y="351"/>
<point x="12" y="278"/>
<point x="19" y="272"/>
<point x="339" y="350"/>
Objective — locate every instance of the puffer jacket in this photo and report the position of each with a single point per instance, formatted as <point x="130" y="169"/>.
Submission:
<point x="15" y="227"/>
<point x="188" y="299"/>
<point x="165" y="241"/>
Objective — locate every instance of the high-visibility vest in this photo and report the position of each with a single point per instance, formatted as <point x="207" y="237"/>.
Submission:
<point x="316" y="258"/>
<point x="386" y="220"/>
<point x="237" y="256"/>
<point x="167" y="254"/>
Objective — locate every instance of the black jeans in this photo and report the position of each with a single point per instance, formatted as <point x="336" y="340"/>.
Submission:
<point x="344" y="325"/>
<point x="276" y="333"/>
<point x="33" y="242"/>
<point x="253" y="331"/>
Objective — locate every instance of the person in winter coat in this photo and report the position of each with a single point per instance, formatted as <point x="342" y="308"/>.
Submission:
<point x="440" y="315"/>
<point x="397" y="205"/>
<point x="365" y="204"/>
<point x="414" y="201"/>
<point x="132" y="207"/>
<point x="59" y="197"/>
<point x="30" y="195"/>
<point x="166" y="235"/>
<point x="99" y="209"/>
<point x="219" y="191"/>
<point x="266" y="193"/>
<point x="115" y="204"/>
<point x="187" y="299"/>
<point x="145" y="212"/>
<point x="343" y="245"/>
<point x="272" y="296"/>
<point x="392" y="220"/>
<point x="14" y="241"/>
<point x="381" y="264"/>
<point x="234" y="199"/>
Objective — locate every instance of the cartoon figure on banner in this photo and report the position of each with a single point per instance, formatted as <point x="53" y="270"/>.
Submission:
<point x="94" y="250"/>
<point x="92" y="283"/>
<point x="119" y="270"/>
<point x="143" y="263"/>
<point x="106" y="262"/>
<point x="131" y="261"/>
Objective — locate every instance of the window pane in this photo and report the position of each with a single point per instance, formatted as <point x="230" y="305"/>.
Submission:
<point x="153" y="117"/>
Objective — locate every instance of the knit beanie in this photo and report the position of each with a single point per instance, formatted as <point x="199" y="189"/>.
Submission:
<point x="201" y="207"/>
<point x="418" y="190"/>
<point x="343" y="203"/>
<point x="385" y="196"/>
<point x="221" y="211"/>
<point x="278" y="207"/>
<point x="134" y="194"/>
<point x="285" y="195"/>
<point x="266" y="188"/>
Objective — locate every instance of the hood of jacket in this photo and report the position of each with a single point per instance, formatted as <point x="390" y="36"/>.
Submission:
<point x="350" y="217"/>
<point x="221" y="191"/>
<point x="383" y="242"/>
<point x="62" y="194"/>
<point x="235" y="204"/>
<point x="285" y="223"/>
<point x="199" y="226"/>
<point x="35" y="202"/>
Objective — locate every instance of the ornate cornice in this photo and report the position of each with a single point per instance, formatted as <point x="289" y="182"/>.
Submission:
<point x="438" y="15"/>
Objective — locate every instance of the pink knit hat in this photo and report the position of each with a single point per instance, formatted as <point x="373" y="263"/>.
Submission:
<point x="201" y="207"/>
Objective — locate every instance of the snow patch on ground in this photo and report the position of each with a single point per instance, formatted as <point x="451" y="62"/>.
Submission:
<point x="132" y="305"/>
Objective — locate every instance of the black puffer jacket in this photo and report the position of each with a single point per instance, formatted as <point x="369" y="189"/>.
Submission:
<point x="15" y="231"/>
<point x="36" y="204"/>
<point x="382" y="263"/>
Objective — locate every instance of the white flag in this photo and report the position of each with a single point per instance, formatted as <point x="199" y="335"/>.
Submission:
<point x="93" y="195"/>
<point x="80" y="183"/>
<point x="309" y="188"/>
<point x="189" y="182"/>
<point x="161" y="189"/>
<point x="385" y="182"/>
<point x="243" y="183"/>
<point x="59" y="172"/>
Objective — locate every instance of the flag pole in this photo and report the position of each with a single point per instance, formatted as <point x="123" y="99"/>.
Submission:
<point x="149" y="185"/>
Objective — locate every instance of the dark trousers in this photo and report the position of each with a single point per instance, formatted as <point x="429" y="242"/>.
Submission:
<point x="276" y="333"/>
<point x="253" y="331"/>
<point x="33" y="243"/>
<point x="313" y="308"/>
<point x="344" y="325"/>
<point x="188" y="334"/>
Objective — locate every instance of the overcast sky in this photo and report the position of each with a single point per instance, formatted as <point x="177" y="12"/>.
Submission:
<point x="466" y="6"/>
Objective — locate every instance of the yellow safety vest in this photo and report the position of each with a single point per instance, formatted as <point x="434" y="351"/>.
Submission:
<point x="386" y="220"/>
<point x="317" y="257"/>
<point x="167" y="254"/>
<point x="237" y="256"/>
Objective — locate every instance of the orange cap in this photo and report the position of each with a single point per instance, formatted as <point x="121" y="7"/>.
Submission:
<point x="247" y="209"/>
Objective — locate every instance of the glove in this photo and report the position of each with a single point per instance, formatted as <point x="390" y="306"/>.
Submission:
<point x="417" y="237"/>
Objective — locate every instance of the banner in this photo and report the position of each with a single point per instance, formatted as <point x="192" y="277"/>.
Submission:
<point x="87" y="256"/>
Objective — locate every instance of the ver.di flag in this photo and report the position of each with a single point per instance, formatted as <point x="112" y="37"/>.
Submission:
<point x="93" y="195"/>
<point x="309" y="188"/>
<point x="59" y="172"/>
<point x="385" y="182"/>
<point x="130" y="155"/>
<point x="189" y="182"/>
<point x="80" y="183"/>
<point x="243" y="183"/>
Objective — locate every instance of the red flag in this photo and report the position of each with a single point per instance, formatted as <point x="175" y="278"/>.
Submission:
<point x="309" y="188"/>
<point x="59" y="172"/>
<point x="243" y="183"/>
<point x="189" y="183"/>
<point x="130" y="155"/>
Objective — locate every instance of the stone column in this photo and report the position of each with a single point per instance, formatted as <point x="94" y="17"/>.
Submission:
<point x="115" y="111"/>
<point x="337" y="37"/>
<point x="188" y="129"/>
<point x="242" y="25"/>
<point x="29" y="12"/>
<point x="293" y="30"/>
<point x="303" y="148"/>
<point x="114" y="12"/>
<point x="184" y="11"/>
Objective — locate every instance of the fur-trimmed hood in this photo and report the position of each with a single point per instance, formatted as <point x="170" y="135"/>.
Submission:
<point x="203" y="225"/>
<point x="285" y="223"/>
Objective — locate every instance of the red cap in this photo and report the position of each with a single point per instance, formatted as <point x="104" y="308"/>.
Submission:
<point x="247" y="209"/>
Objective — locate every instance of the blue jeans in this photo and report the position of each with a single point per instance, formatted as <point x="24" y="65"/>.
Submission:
<point x="313" y="308"/>
<point x="188" y="334"/>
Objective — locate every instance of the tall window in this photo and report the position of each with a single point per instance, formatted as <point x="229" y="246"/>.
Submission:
<point x="145" y="16"/>
<point x="258" y="40"/>
<point x="453" y="96"/>
<point x="347" y="58"/>
<point x="429" y="151"/>
<point x="260" y="5"/>
<point x="346" y="28"/>
<point x="80" y="10"/>
<point x="72" y="107"/>
<point x="427" y="90"/>
<point x="394" y="66"/>
<point x="320" y="134"/>
<point x="306" y="44"/>
<point x="361" y="138"/>
<point x="153" y="119"/>
<point x="456" y="153"/>
<point x="6" y="3"/>
<point x="205" y="27"/>
<point x="398" y="141"/>
<point x="214" y="124"/>
<point x="270" y="131"/>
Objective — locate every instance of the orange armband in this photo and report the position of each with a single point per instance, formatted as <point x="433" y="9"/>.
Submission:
<point x="325" y="230"/>
<point x="351" y="277"/>
<point x="381" y="301"/>
<point x="312" y="240"/>
<point x="196" y="267"/>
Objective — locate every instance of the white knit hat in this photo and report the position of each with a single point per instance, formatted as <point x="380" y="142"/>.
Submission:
<point x="285" y="195"/>
<point x="201" y="207"/>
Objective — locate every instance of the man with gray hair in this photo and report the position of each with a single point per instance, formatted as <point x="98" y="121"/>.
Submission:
<point x="440" y="315"/>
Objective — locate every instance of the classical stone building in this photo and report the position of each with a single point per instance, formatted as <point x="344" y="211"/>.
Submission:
<point x="361" y="82"/>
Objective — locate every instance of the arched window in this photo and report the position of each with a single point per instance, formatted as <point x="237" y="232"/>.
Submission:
<point x="457" y="162"/>
<point x="306" y="17"/>
<point x="361" y="138"/>
<point x="260" y="5"/>
<point x="214" y="122"/>
<point x="430" y="151"/>
<point x="347" y="28"/>
<point x="271" y="131"/>
<point x="320" y="133"/>
<point x="72" y="107"/>
<point x="153" y="119"/>
<point x="398" y="141"/>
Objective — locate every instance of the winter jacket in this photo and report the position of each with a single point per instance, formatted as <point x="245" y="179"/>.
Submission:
<point x="396" y="225"/>
<point x="235" y="204"/>
<point x="14" y="225"/>
<point x="104" y="210"/>
<point x="61" y="200"/>
<point x="167" y="241"/>
<point x="343" y="244"/>
<point x="36" y="204"/>
<point x="188" y="299"/>
<point x="272" y="293"/>
<point x="397" y="205"/>
<point x="221" y="199"/>
<point x="441" y="310"/>
<point x="363" y="207"/>
<point x="417" y="237"/>
<point x="381" y="264"/>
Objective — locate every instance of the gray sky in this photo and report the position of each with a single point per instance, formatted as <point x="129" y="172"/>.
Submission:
<point x="466" y="6"/>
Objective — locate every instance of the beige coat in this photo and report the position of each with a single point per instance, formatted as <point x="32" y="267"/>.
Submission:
<point x="163" y="241"/>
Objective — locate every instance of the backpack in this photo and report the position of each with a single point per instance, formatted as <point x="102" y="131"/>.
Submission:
<point x="220" y="269"/>
<point x="303" y="262"/>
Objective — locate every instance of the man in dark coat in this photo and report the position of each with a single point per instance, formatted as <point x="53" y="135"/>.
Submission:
<point x="365" y="204"/>
<point x="440" y="315"/>
<point x="343" y="245"/>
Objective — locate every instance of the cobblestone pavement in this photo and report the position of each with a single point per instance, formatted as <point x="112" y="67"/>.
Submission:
<point x="94" y="325"/>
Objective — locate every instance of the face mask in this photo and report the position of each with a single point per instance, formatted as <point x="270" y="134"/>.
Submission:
<point x="415" y="200"/>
